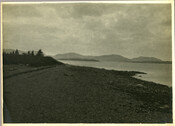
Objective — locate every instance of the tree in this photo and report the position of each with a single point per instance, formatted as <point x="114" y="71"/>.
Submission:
<point x="40" y="53"/>
<point x="32" y="53"/>
<point x="29" y="53"/>
<point x="16" y="52"/>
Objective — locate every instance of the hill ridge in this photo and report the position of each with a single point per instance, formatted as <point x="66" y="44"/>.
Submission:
<point x="108" y="57"/>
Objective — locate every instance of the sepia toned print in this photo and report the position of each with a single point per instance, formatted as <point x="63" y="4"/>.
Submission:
<point x="87" y="63"/>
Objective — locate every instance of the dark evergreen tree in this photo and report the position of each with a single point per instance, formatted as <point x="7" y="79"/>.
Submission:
<point x="40" y="53"/>
<point x="16" y="52"/>
<point x="32" y="53"/>
<point x="29" y="53"/>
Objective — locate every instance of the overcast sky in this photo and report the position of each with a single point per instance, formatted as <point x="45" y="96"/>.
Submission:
<point x="129" y="30"/>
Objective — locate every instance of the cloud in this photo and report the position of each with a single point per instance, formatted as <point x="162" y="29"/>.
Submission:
<point x="92" y="29"/>
<point x="17" y="10"/>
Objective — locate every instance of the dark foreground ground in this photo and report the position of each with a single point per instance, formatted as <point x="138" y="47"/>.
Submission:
<point x="70" y="94"/>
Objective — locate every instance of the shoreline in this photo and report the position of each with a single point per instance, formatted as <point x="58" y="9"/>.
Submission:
<point x="155" y="75"/>
<point x="76" y="94"/>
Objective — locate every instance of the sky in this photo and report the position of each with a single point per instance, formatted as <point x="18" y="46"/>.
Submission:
<point x="130" y="30"/>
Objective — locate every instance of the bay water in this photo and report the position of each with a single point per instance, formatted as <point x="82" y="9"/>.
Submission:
<point x="158" y="73"/>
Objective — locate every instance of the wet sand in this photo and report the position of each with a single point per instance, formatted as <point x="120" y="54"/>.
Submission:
<point x="72" y="94"/>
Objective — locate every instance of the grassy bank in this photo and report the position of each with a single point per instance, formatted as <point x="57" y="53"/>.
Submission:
<point x="72" y="94"/>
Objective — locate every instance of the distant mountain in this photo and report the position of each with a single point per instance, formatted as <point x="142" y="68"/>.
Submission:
<point x="113" y="57"/>
<point x="75" y="56"/>
<point x="70" y="56"/>
<point x="74" y="59"/>
<point x="142" y="59"/>
<point x="146" y="59"/>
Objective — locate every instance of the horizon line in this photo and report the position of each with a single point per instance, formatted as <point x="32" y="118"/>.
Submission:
<point x="88" y="55"/>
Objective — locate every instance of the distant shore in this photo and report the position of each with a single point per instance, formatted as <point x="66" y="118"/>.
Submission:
<point x="93" y="60"/>
<point x="74" y="94"/>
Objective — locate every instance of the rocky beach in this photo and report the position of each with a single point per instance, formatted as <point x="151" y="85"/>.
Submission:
<point x="74" y="94"/>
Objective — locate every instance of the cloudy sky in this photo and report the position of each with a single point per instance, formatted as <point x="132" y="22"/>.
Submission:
<point x="130" y="30"/>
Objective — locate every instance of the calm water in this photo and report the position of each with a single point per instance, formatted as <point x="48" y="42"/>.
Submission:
<point x="159" y="73"/>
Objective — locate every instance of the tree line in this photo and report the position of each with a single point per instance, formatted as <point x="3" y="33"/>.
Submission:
<point x="29" y="58"/>
<point x="29" y="53"/>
